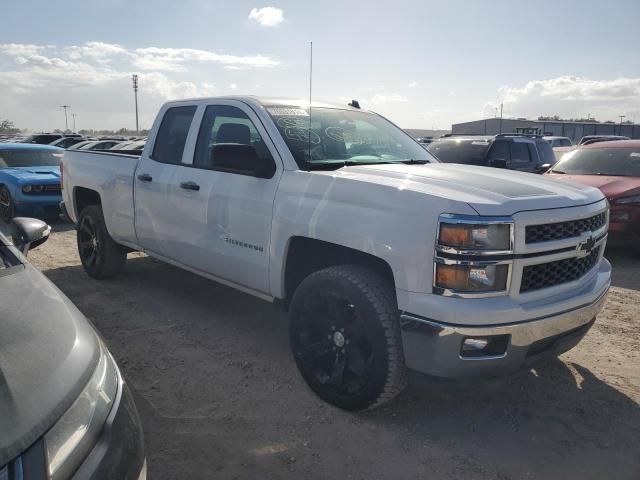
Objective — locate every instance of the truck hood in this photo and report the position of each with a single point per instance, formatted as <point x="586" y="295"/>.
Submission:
<point x="48" y="351"/>
<point x="34" y="174"/>
<point x="489" y="191"/>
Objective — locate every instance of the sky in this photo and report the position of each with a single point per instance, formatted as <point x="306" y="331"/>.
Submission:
<point x="422" y="63"/>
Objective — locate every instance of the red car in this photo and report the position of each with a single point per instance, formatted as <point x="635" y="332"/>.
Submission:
<point x="613" y="167"/>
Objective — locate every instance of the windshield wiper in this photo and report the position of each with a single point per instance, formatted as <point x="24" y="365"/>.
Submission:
<point x="413" y="162"/>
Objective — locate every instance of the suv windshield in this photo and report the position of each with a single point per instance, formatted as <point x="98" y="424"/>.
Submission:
<point x="469" y="152"/>
<point x="601" y="161"/>
<point x="546" y="152"/>
<point x="29" y="158"/>
<point x="344" y="137"/>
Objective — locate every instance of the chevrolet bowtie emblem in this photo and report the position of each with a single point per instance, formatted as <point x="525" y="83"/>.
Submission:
<point x="585" y="247"/>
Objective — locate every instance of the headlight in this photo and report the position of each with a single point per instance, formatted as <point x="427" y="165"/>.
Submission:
<point x="627" y="200"/>
<point x="470" y="237"/>
<point x="471" y="278"/>
<point x="32" y="188"/>
<point x="72" y="437"/>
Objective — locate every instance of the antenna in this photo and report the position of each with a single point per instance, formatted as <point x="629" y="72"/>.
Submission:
<point x="310" y="95"/>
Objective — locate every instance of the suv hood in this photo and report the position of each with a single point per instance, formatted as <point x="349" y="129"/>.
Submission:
<point x="489" y="191"/>
<point x="48" y="351"/>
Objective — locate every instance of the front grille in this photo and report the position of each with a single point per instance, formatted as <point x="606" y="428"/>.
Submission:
<point x="562" y="230"/>
<point x="45" y="189"/>
<point x="545" y="275"/>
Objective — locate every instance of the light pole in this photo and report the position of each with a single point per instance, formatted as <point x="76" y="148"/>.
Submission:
<point x="73" y="115"/>
<point x="66" y="120"/>
<point x="620" y="130"/>
<point x="134" y="78"/>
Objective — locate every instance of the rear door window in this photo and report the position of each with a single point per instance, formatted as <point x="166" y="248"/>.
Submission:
<point x="520" y="153"/>
<point x="500" y="151"/>
<point x="172" y="134"/>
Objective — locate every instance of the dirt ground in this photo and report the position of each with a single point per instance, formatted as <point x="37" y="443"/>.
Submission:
<point x="220" y="397"/>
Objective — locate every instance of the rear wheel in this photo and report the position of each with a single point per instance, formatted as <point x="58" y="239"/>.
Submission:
<point x="345" y="337"/>
<point x="101" y="257"/>
<point x="6" y="205"/>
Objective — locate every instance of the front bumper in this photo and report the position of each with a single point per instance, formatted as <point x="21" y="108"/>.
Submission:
<point x="435" y="348"/>
<point x="38" y="206"/>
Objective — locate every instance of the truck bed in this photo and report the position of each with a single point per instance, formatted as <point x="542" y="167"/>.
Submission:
<point x="111" y="175"/>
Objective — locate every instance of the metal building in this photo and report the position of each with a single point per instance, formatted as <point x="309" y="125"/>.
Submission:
<point x="574" y="130"/>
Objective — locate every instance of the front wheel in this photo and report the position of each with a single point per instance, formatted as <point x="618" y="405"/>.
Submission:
<point x="345" y="337"/>
<point x="6" y="205"/>
<point x="101" y="257"/>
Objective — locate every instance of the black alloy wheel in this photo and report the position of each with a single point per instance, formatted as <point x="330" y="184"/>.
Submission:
<point x="88" y="243"/>
<point x="345" y="337"/>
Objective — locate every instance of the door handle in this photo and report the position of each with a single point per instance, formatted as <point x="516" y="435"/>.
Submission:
<point x="145" y="177"/>
<point x="190" y="186"/>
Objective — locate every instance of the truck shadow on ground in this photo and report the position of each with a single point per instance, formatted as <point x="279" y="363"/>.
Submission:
<point x="625" y="268"/>
<point x="217" y="388"/>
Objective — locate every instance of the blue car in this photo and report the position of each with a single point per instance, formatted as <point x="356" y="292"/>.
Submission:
<point x="29" y="181"/>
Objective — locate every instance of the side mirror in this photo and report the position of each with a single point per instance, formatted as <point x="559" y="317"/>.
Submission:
<point x="242" y="159"/>
<point x="30" y="233"/>
<point x="543" y="168"/>
<point x="499" y="163"/>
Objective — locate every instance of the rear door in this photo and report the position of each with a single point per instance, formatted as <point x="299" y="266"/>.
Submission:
<point x="225" y="213"/>
<point x="155" y="222"/>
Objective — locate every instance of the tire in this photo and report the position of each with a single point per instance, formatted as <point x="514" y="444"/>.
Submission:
<point x="7" y="209"/>
<point x="101" y="257"/>
<point x="345" y="337"/>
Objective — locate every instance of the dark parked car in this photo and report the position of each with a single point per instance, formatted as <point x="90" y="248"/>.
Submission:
<point x="526" y="153"/>
<point x="48" y="138"/>
<point x="65" y="410"/>
<point x="66" y="142"/>
<point x="614" y="168"/>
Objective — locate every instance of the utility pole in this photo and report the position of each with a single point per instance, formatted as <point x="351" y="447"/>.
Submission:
<point x="501" y="105"/>
<point x="66" y="120"/>
<point x="620" y="130"/>
<point x="134" y="78"/>
<point x="73" y="115"/>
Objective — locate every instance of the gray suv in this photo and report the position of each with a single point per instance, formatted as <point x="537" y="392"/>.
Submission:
<point x="526" y="153"/>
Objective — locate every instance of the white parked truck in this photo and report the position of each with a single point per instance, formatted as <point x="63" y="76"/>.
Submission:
<point x="386" y="259"/>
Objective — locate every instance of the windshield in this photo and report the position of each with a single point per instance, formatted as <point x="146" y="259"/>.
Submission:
<point x="469" y="152"/>
<point x="332" y="135"/>
<point x="29" y="158"/>
<point x="601" y="161"/>
<point x="546" y="152"/>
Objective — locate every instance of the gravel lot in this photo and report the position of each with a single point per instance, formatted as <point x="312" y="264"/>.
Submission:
<point x="220" y="397"/>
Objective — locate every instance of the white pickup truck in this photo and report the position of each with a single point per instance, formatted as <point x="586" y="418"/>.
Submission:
<point x="386" y="259"/>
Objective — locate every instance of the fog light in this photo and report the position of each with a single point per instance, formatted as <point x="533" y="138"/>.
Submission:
<point x="475" y="344"/>
<point x="478" y="347"/>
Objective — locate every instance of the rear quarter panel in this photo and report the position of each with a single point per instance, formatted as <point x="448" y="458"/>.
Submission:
<point x="111" y="176"/>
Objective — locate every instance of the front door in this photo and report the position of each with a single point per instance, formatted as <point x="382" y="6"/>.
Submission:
<point x="226" y="213"/>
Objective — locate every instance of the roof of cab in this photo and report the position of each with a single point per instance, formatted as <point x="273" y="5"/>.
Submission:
<point x="271" y="102"/>
<point x="27" y="146"/>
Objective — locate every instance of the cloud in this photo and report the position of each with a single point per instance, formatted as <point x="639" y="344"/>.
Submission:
<point x="95" y="79"/>
<point x="413" y="84"/>
<point x="267" y="16"/>
<point x="233" y="86"/>
<point x="571" y="96"/>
